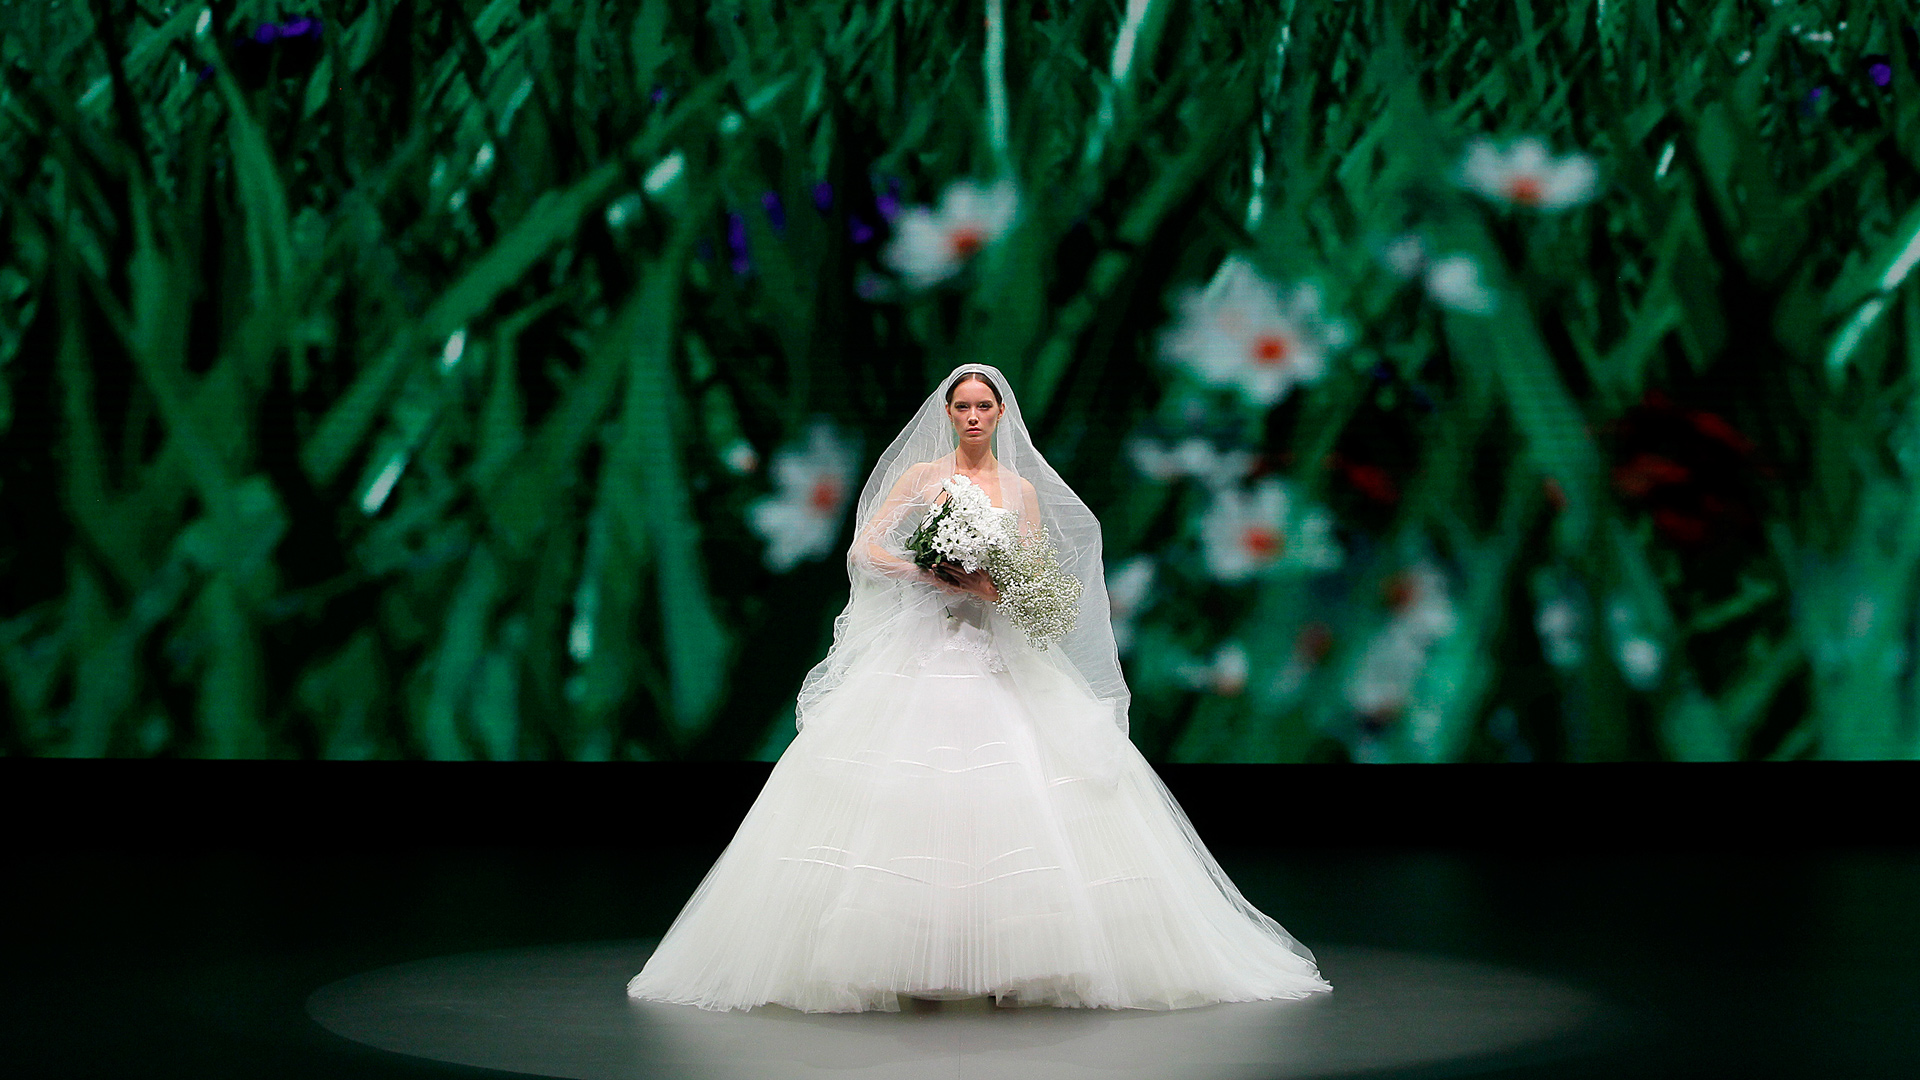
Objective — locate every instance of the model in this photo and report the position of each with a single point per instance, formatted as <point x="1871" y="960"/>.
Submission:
<point x="962" y="813"/>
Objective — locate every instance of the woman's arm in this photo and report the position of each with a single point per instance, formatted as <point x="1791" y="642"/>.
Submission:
<point x="1029" y="509"/>
<point x="870" y="554"/>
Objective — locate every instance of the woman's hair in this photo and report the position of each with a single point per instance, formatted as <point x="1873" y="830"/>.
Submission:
<point x="975" y="376"/>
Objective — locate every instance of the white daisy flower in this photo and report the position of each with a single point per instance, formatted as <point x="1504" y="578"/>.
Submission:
<point x="1383" y="679"/>
<point x="1640" y="662"/>
<point x="1224" y="674"/>
<point x="1558" y="623"/>
<point x="1194" y="457"/>
<point x="1418" y="598"/>
<point x="1453" y="281"/>
<point x="1405" y="254"/>
<point x="1637" y="654"/>
<point x="1248" y="533"/>
<point x="740" y="457"/>
<point x="930" y="246"/>
<point x="1128" y="587"/>
<point x="1241" y="332"/>
<point x="1525" y="174"/>
<point x="813" y="484"/>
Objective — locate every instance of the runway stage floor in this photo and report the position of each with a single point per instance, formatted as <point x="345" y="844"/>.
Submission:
<point x="561" y="1011"/>
<point x="463" y="923"/>
<point x="491" y="961"/>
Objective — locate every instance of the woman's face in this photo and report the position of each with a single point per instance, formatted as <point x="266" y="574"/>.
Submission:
<point x="973" y="413"/>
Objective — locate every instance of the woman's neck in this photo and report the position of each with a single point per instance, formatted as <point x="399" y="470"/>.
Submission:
<point x="968" y="460"/>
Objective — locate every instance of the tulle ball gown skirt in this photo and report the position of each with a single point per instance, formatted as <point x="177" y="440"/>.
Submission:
<point x="941" y="828"/>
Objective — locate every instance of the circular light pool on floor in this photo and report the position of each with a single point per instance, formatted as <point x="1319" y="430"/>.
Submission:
<point x="562" y="1011"/>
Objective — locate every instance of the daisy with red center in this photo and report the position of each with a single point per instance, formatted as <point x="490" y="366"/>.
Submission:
<point x="1246" y="534"/>
<point x="1382" y="680"/>
<point x="801" y="519"/>
<point x="1524" y="174"/>
<point x="1224" y="674"/>
<point x="930" y="246"/>
<point x="1242" y="332"/>
<point x="826" y="496"/>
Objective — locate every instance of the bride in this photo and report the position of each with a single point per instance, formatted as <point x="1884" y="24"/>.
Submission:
<point x="961" y="813"/>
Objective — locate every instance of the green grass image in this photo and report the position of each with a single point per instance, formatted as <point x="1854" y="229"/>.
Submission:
<point x="462" y="379"/>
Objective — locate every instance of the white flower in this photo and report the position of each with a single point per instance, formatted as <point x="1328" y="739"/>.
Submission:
<point x="1194" y="457"/>
<point x="813" y="485"/>
<point x="1384" y="677"/>
<point x="1247" y="533"/>
<point x="1640" y="662"/>
<point x="1636" y="652"/>
<point x="740" y="457"/>
<point x="1524" y="174"/>
<point x="1419" y="601"/>
<point x="1452" y="280"/>
<point x="1558" y="624"/>
<point x="970" y="528"/>
<point x="1225" y="674"/>
<point x="1239" y="332"/>
<point x="1405" y="254"/>
<point x="1128" y="588"/>
<point x="930" y="246"/>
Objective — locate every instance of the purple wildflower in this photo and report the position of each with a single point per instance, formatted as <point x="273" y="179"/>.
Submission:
<point x="776" y="212"/>
<point x="737" y="244"/>
<point x="888" y="199"/>
<point x="859" y="230"/>
<point x="288" y="48"/>
<point x="1880" y="70"/>
<point x="823" y="196"/>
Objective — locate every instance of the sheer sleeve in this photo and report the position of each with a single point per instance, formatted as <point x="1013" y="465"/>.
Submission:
<point x="1029" y="510"/>
<point x="880" y="548"/>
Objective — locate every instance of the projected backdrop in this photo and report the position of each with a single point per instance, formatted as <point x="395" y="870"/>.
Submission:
<point x="1476" y="381"/>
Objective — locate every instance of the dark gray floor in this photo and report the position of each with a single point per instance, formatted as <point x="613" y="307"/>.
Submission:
<point x="561" y="1011"/>
<point x="1759" y="965"/>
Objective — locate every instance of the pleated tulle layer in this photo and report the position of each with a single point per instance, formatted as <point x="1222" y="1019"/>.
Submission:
<point x="929" y="835"/>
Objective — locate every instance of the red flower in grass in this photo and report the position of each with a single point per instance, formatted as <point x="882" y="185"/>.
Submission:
<point x="1689" y="469"/>
<point x="1372" y="481"/>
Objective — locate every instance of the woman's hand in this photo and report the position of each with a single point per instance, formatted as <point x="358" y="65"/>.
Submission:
<point x="975" y="582"/>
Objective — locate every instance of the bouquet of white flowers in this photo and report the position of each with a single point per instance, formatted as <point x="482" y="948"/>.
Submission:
<point x="967" y="529"/>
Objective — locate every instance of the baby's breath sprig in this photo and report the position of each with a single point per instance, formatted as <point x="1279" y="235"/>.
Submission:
<point x="1042" y="599"/>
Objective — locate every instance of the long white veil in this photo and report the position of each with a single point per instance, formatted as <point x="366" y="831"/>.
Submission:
<point x="889" y="598"/>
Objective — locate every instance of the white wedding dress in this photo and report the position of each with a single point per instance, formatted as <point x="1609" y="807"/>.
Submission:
<point x="960" y="816"/>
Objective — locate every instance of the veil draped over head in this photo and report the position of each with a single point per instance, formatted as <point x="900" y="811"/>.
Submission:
<point x="892" y="601"/>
